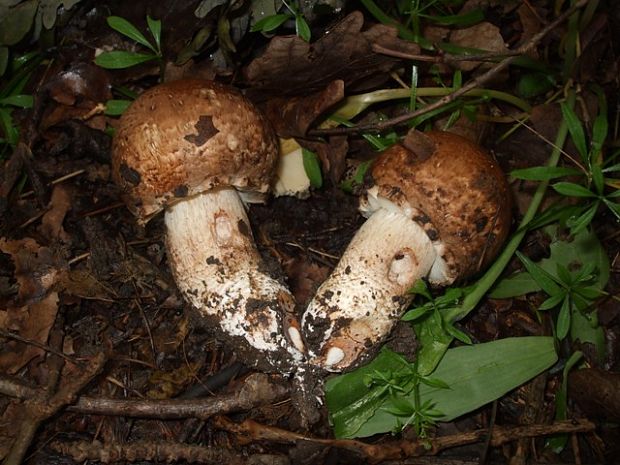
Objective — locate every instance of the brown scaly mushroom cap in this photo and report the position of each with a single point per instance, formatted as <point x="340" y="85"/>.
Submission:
<point x="189" y="136"/>
<point x="187" y="146"/>
<point x="454" y="190"/>
<point x="438" y="208"/>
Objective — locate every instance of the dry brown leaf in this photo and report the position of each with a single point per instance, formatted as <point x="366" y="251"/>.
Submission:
<point x="484" y="36"/>
<point x="292" y="66"/>
<point x="32" y="322"/>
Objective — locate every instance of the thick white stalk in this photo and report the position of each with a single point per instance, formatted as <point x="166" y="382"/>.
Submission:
<point x="365" y="295"/>
<point x="219" y="271"/>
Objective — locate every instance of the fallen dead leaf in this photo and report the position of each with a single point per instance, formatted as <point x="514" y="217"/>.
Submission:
<point x="484" y="36"/>
<point x="291" y="66"/>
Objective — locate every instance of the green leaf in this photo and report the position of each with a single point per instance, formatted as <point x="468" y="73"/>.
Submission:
<point x="21" y="101"/>
<point x="270" y="23"/>
<point x="544" y="173"/>
<point x="573" y="190"/>
<point x="301" y="28"/>
<point x="534" y="84"/>
<point x="613" y="206"/>
<point x="576" y="130"/>
<point x="552" y="302"/>
<point x="312" y="166"/>
<point x="155" y="28"/>
<point x="563" y="323"/>
<point x="129" y="30"/>
<point x="116" y="107"/>
<point x="11" y="134"/>
<point x="542" y="278"/>
<point x="599" y="133"/>
<point x="415" y="313"/>
<point x="597" y="178"/>
<point x="17" y="21"/>
<point x="558" y="442"/>
<point x="476" y="374"/>
<point x="579" y="223"/>
<point x="119" y="59"/>
<point x="513" y="286"/>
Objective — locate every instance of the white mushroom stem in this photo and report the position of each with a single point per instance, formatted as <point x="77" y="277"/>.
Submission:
<point x="366" y="293"/>
<point x="219" y="271"/>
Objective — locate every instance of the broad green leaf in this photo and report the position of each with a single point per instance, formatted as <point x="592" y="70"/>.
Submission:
<point x="301" y="28"/>
<point x="534" y="84"/>
<point x="118" y="59"/>
<point x="16" y="22"/>
<point x="544" y="173"/>
<point x="542" y="278"/>
<point x="116" y="107"/>
<point x="573" y="190"/>
<point x="612" y="169"/>
<point x="312" y="166"/>
<point x="129" y="30"/>
<point x="476" y="374"/>
<point x="576" y="130"/>
<point x="270" y="23"/>
<point x="585" y="329"/>
<point x="21" y="101"/>
<point x="155" y="28"/>
<point x="513" y="286"/>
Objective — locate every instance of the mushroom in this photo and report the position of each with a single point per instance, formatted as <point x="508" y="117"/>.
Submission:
<point x="438" y="209"/>
<point x="195" y="148"/>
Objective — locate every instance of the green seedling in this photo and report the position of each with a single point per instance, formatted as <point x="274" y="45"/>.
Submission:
<point x="12" y="97"/>
<point x="273" y="22"/>
<point x="312" y="167"/>
<point x="570" y="291"/>
<point x="119" y="59"/>
<point x="598" y="187"/>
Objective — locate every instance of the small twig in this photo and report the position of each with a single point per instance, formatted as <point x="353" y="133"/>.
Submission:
<point x="38" y="345"/>
<point x="398" y="450"/>
<point x="474" y="83"/>
<point x="40" y="408"/>
<point x="443" y="58"/>
<point x="256" y="390"/>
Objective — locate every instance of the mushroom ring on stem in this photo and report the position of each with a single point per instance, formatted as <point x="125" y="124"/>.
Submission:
<point x="438" y="208"/>
<point x="193" y="147"/>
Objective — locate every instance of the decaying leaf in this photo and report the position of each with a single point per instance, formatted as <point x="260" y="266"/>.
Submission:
<point x="483" y="36"/>
<point x="292" y="66"/>
<point x="292" y="117"/>
<point x="32" y="312"/>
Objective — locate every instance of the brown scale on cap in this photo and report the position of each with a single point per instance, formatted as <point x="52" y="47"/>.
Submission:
<point x="458" y="189"/>
<point x="185" y="137"/>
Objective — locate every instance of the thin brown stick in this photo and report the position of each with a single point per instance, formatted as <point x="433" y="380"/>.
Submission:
<point x="40" y="408"/>
<point x="396" y="450"/>
<point x="474" y="83"/>
<point x="443" y="58"/>
<point x="258" y="389"/>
